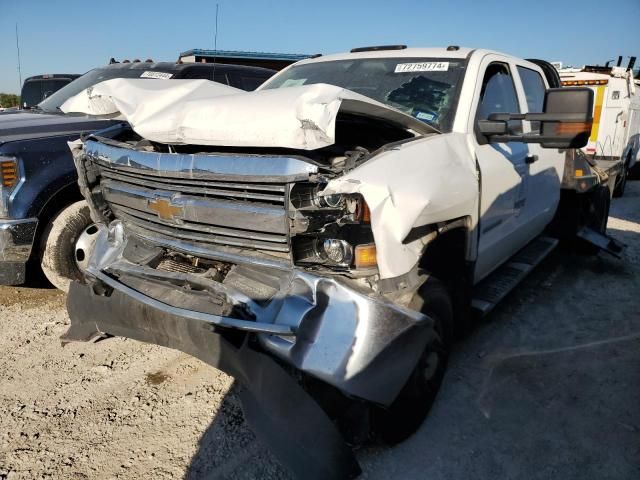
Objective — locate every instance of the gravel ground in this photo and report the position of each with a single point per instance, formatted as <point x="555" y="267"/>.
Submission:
<point x="547" y="387"/>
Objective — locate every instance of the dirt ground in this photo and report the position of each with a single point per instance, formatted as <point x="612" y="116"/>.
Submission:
<point x="547" y="387"/>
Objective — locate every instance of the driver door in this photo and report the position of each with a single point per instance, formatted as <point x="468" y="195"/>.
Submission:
<point x="504" y="172"/>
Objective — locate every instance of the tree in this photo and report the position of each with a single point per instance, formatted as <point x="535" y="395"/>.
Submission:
<point x="8" y="100"/>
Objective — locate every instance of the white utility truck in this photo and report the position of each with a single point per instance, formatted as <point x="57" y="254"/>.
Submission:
<point x="324" y="238"/>
<point x="615" y="134"/>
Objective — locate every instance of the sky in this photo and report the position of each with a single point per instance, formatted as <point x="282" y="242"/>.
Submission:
<point x="70" y="36"/>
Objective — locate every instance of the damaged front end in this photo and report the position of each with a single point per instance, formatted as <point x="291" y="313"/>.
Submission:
<point x="239" y="258"/>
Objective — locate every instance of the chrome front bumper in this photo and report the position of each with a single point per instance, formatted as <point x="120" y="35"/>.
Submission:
<point x="349" y="338"/>
<point x="16" y="243"/>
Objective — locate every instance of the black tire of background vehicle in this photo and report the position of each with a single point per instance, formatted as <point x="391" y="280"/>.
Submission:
<point x="595" y="214"/>
<point x="405" y="415"/>
<point x="634" y="172"/>
<point x="57" y="250"/>
<point x="622" y="181"/>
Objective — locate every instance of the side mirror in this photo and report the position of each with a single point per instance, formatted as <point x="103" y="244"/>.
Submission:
<point x="565" y="123"/>
<point x="574" y="130"/>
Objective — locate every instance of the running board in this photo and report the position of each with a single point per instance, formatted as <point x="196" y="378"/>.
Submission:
<point x="603" y="241"/>
<point x="497" y="285"/>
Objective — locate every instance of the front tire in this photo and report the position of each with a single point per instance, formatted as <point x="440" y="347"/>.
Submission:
<point x="66" y="245"/>
<point x="405" y="415"/>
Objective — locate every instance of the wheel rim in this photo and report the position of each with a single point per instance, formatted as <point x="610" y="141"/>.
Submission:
<point x="84" y="246"/>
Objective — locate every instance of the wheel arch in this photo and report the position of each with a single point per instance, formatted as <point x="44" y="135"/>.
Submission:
<point x="62" y="198"/>
<point x="446" y="258"/>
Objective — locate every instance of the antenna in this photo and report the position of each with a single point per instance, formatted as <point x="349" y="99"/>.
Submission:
<point x="18" y="48"/>
<point x="215" y="34"/>
<point x="215" y="42"/>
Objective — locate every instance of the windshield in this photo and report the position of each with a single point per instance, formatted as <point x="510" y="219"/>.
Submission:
<point x="426" y="88"/>
<point x="53" y="103"/>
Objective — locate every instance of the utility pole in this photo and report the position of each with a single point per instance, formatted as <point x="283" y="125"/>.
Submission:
<point x="18" y="48"/>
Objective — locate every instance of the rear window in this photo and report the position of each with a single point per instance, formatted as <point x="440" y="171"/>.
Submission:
<point x="196" y="73"/>
<point x="249" y="82"/>
<point x="204" y="73"/>
<point x="35" y="91"/>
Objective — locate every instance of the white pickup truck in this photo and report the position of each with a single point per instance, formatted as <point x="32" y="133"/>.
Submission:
<point x="324" y="238"/>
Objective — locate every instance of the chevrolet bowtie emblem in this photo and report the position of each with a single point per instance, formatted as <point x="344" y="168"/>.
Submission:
<point x="165" y="209"/>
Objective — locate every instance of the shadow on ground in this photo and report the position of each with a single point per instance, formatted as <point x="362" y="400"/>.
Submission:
<point x="229" y="449"/>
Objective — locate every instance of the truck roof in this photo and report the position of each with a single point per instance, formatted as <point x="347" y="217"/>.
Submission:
<point x="588" y="73"/>
<point x="460" y="52"/>
<point x="395" y="52"/>
<point x="52" y="76"/>
<point x="172" y="66"/>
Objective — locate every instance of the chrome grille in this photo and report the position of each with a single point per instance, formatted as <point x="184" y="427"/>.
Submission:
<point x="231" y="213"/>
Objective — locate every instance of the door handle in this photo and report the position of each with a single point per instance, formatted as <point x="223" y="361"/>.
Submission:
<point x="529" y="159"/>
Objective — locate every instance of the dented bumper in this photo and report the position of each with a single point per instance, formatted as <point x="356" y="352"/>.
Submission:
<point x="358" y="342"/>
<point x="318" y="326"/>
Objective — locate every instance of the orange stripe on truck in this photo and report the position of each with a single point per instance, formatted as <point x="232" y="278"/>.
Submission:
<point x="597" y="111"/>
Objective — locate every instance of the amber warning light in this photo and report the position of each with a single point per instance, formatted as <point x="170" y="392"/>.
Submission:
<point x="365" y="256"/>
<point x="8" y="173"/>
<point x="573" y="128"/>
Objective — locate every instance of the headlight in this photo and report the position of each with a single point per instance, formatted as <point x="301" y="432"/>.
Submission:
<point x="338" y="252"/>
<point x="333" y="231"/>
<point x="9" y="181"/>
<point x="333" y="201"/>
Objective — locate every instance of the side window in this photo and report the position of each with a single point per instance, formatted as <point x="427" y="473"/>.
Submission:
<point x="498" y="95"/>
<point x="534" y="90"/>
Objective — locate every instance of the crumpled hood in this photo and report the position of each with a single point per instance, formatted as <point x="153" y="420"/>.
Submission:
<point x="201" y="112"/>
<point x="28" y="125"/>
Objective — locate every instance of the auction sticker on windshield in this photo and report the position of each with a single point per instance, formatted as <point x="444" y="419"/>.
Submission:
<point x="159" y="75"/>
<point x="422" y="67"/>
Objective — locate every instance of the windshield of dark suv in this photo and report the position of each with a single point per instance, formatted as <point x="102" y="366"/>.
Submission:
<point x="425" y="88"/>
<point x="52" y="104"/>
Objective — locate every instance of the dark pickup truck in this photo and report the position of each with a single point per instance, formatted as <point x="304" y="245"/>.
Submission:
<point x="43" y="218"/>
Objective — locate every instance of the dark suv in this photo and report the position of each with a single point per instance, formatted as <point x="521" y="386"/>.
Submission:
<point x="43" y="218"/>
